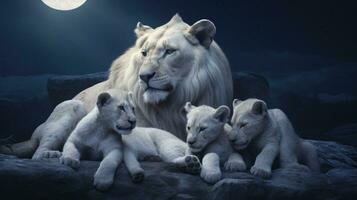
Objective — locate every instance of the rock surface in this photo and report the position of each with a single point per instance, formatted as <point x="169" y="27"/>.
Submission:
<point x="62" y="88"/>
<point x="47" y="179"/>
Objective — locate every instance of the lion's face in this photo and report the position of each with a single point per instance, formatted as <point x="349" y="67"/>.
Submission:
<point x="204" y="125"/>
<point x="166" y="57"/>
<point x="248" y="122"/>
<point x="116" y="111"/>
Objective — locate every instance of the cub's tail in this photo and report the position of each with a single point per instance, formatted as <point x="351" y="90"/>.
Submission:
<point x="310" y="156"/>
<point x="22" y="149"/>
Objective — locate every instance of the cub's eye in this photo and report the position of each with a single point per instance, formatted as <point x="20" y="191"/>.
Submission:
<point x="202" y="129"/>
<point x="169" y="51"/>
<point x="188" y="127"/>
<point x="121" y="108"/>
<point x="144" y="53"/>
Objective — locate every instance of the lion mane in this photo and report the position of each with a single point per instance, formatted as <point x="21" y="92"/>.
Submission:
<point x="208" y="83"/>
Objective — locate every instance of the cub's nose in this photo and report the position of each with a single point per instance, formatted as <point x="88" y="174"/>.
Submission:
<point x="191" y="141"/>
<point x="146" y="77"/>
<point x="132" y="123"/>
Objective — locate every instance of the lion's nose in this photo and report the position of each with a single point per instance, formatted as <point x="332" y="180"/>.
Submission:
<point x="147" y="77"/>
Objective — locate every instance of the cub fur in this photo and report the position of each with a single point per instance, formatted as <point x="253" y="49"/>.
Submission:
<point x="99" y="136"/>
<point x="152" y="143"/>
<point x="207" y="138"/>
<point x="270" y="133"/>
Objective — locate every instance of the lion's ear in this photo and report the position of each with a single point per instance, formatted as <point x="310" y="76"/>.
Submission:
<point x="203" y="32"/>
<point x="188" y="107"/>
<point x="222" y="113"/>
<point x="141" y="29"/>
<point x="103" y="99"/>
<point x="259" y="108"/>
<point x="236" y="102"/>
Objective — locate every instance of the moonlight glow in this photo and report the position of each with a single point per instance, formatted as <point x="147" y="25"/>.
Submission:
<point x="64" y="4"/>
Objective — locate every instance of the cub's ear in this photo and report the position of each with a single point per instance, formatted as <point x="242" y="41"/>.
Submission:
<point x="259" y="108"/>
<point x="236" y="102"/>
<point x="131" y="98"/>
<point x="141" y="29"/>
<point x="103" y="99"/>
<point x="222" y="113"/>
<point x="201" y="32"/>
<point x="188" y="107"/>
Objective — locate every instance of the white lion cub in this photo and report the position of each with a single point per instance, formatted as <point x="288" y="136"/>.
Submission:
<point x="269" y="133"/>
<point x="99" y="136"/>
<point x="207" y="138"/>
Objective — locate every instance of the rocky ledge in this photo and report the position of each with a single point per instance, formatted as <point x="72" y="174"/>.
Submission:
<point x="47" y="179"/>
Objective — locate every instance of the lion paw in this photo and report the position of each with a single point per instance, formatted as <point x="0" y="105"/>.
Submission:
<point x="261" y="171"/>
<point x="234" y="166"/>
<point x="211" y="176"/>
<point x="102" y="183"/>
<point x="138" y="176"/>
<point x="73" y="163"/>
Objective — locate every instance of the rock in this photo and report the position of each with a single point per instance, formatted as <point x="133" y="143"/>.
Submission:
<point x="62" y="88"/>
<point x="47" y="179"/>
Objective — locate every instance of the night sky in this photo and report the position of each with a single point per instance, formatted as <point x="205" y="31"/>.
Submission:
<point x="306" y="48"/>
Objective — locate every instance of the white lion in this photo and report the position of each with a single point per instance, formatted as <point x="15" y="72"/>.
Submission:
<point x="99" y="136"/>
<point x="207" y="138"/>
<point x="271" y="134"/>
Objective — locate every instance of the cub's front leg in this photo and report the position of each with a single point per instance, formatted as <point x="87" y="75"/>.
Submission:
<point x="211" y="171"/>
<point x="264" y="161"/>
<point x="70" y="155"/>
<point x="132" y="164"/>
<point x="104" y="176"/>
<point x="235" y="162"/>
<point x="188" y="163"/>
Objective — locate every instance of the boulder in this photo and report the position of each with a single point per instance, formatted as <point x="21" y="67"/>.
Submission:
<point x="65" y="87"/>
<point x="47" y="179"/>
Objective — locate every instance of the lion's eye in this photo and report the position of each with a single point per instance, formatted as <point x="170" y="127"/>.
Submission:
<point x="121" y="108"/>
<point x="202" y="129"/>
<point x="188" y="127"/>
<point x="169" y="51"/>
<point x="144" y="53"/>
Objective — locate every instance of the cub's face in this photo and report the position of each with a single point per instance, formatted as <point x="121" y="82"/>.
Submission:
<point x="167" y="55"/>
<point x="204" y="124"/>
<point x="248" y="121"/>
<point x="117" y="111"/>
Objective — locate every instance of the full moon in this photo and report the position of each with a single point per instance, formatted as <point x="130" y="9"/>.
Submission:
<point x="64" y="4"/>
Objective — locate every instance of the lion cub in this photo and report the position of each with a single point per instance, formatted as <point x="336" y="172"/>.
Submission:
<point x="99" y="136"/>
<point x="270" y="133"/>
<point x="207" y="139"/>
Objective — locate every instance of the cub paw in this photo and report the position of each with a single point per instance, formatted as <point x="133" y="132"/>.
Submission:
<point x="102" y="183"/>
<point x="73" y="163"/>
<point x="211" y="176"/>
<point x="261" y="171"/>
<point x="50" y="154"/>
<point x="138" y="176"/>
<point x="234" y="166"/>
<point x="191" y="164"/>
